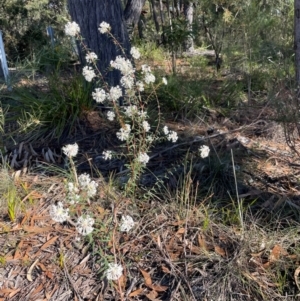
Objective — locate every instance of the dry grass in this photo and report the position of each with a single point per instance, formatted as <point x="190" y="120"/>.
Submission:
<point x="195" y="238"/>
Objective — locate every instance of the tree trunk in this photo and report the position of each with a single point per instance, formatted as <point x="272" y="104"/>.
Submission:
<point x="188" y="13"/>
<point x="155" y="16"/>
<point x="132" y="14"/>
<point x="89" y="14"/>
<point x="297" y="43"/>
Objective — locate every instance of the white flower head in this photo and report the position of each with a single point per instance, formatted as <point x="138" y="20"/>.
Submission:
<point x="84" y="179"/>
<point x="140" y="86"/>
<point x="58" y="213"/>
<point x="146" y="69"/>
<point x="124" y="133"/>
<point x="127" y="223"/>
<point x="149" y="78"/>
<point x="172" y="136"/>
<point x="166" y="130"/>
<point x="164" y="80"/>
<point x="122" y="64"/>
<point x="70" y="150"/>
<point x="204" y="151"/>
<point x="127" y="81"/>
<point x="135" y="53"/>
<point x="131" y="110"/>
<point x="85" y="224"/>
<point x="107" y="155"/>
<point x="88" y="73"/>
<point x="115" y="93"/>
<point x="91" y="57"/>
<point x="146" y="126"/>
<point x="114" y="271"/>
<point x="142" y="114"/>
<point x="143" y="158"/>
<point x="91" y="189"/>
<point x="104" y="27"/>
<point x="111" y="115"/>
<point x="72" y="29"/>
<point x="99" y="95"/>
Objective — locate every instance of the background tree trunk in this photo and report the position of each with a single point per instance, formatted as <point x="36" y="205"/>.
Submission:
<point x="297" y="43"/>
<point x="155" y="18"/>
<point x="132" y="14"/>
<point x="188" y="13"/>
<point x="89" y="14"/>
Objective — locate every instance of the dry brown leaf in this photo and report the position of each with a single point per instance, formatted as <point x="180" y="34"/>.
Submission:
<point x="35" y="229"/>
<point x="18" y="249"/>
<point x="152" y="296"/>
<point x="202" y="243"/>
<point x="49" y="274"/>
<point x="147" y="277"/>
<point x="276" y="252"/>
<point x="165" y="270"/>
<point x="136" y="292"/>
<point x="49" y="243"/>
<point x="194" y="249"/>
<point x="43" y="268"/>
<point x="180" y="232"/>
<point x="220" y="251"/>
<point x="159" y="288"/>
<point x="37" y="290"/>
<point x="14" y="292"/>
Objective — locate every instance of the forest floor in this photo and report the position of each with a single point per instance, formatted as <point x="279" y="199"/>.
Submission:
<point x="222" y="228"/>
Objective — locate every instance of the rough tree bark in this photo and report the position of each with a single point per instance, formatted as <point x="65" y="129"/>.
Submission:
<point x="132" y="14"/>
<point x="188" y="13"/>
<point x="155" y="18"/>
<point x="297" y="43"/>
<point x="89" y="14"/>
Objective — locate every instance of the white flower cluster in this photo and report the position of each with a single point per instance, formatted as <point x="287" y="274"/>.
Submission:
<point x="171" y="135"/>
<point x="73" y="195"/>
<point x="204" y="151"/>
<point x="107" y="155"/>
<point x="124" y="133"/>
<point x="70" y="150"/>
<point x="111" y="115"/>
<point x="115" y="93"/>
<point x="126" y="69"/>
<point x="72" y="29"/>
<point x="85" y="224"/>
<point x="149" y="77"/>
<point x="99" y="95"/>
<point x="88" y="73"/>
<point x="131" y="110"/>
<point x="135" y="53"/>
<point x="146" y="126"/>
<point x="127" y="223"/>
<point x="140" y="86"/>
<point x="86" y="189"/>
<point x="164" y="80"/>
<point x="114" y="271"/>
<point x="124" y="65"/>
<point x="104" y="27"/>
<point x="143" y="158"/>
<point x="91" y="57"/>
<point x="88" y="186"/>
<point x="58" y="213"/>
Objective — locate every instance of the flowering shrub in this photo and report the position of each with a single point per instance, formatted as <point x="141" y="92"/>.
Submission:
<point x="135" y="128"/>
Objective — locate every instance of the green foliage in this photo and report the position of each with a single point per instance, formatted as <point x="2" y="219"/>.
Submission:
<point x="55" y="112"/>
<point x="24" y="23"/>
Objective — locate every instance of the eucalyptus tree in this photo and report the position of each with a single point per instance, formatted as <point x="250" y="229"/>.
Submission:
<point x="132" y="14"/>
<point x="88" y="14"/>
<point x="297" y="42"/>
